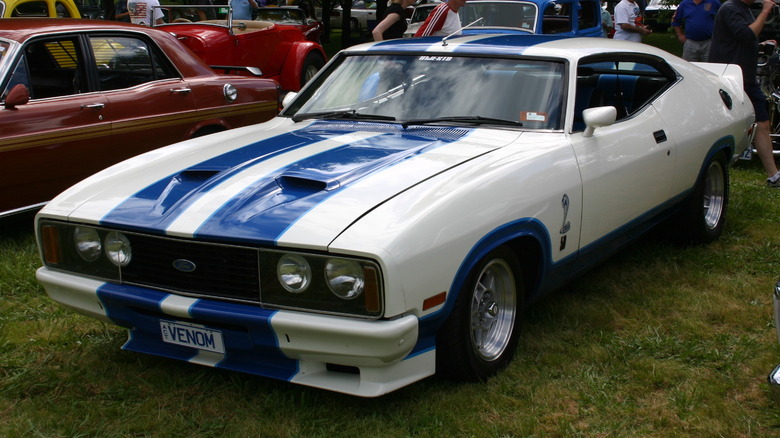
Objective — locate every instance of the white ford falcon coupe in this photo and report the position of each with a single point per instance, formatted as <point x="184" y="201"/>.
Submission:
<point x="397" y="217"/>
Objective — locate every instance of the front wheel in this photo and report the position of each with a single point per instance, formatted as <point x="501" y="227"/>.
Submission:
<point x="705" y="214"/>
<point x="311" y="65"/>
<point x="480" y="336"/>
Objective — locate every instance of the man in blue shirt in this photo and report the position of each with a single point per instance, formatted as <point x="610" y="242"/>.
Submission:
<point x="697" y="17"/>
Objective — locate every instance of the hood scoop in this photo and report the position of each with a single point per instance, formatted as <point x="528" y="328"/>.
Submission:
<point x="293" y="182"/>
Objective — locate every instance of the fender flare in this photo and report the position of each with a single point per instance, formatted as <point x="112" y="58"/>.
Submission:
<point x="505" y="234"/>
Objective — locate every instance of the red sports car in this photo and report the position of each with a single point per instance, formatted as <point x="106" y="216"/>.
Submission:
<point x="79" y="95"/>
<point x="257" y="47"/>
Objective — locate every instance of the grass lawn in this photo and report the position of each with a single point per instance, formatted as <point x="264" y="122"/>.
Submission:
<point x="659" y="341"/>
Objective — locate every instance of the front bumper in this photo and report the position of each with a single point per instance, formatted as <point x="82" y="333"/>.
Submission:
<point x="359" y="357"/>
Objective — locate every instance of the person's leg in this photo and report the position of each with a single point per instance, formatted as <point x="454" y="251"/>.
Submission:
<point x="704" y="48"/>
<point x="762" y="139"/>
<point x="763" y="143"/>
<point x="689" y="51"/>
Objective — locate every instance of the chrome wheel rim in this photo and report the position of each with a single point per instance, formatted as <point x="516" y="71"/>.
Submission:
<point x="493" y="310"/>
<point x="714" y="195"/>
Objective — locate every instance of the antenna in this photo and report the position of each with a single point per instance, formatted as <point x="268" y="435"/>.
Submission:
<point x="444" y="40"/>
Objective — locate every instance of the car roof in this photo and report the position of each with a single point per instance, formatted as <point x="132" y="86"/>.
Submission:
<point x="548" y="46"/>
<point x="22" y="29"/>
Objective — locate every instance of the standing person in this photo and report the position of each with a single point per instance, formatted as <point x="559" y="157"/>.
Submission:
<point x="735" y="41"/>
<point x="394" y="24"/>
<point x="606" y="21"/>
<point x="628" y="22"/>
<point x="141" y="12"/>
<point x="242" y="9"/>
<point x="698" y="19"/>
<point x="120" y="11"/>
<point x="443" y="20"/>
<point x="205" y="13"/>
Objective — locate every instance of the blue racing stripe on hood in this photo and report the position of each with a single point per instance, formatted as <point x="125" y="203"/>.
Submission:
<point x="159" y="204"/>
<point x="264" y="210"/>
<point x="274" y="201"/>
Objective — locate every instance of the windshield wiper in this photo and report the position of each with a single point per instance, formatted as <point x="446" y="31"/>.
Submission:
<point x="341" y="114"/>
<point x="476" y="120"/>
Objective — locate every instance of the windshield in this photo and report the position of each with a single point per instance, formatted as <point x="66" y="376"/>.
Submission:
<point x="280" y="15"/>
<point x="514" y="14"/>
<point x="415" y="87"/>
<point x="4" y="48"/>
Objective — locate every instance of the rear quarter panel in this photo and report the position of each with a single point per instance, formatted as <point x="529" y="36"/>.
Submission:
<point x="697" y="131"/>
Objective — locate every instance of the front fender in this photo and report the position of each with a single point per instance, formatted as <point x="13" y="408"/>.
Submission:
<point x="290" y="78"/>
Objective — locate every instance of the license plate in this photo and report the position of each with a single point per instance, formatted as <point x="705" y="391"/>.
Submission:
<point x="192" y="335"/>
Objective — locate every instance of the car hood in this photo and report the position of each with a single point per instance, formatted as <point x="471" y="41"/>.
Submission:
<point x="261" y="183"/>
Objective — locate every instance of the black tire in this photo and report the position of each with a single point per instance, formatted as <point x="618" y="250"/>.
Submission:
<point x="480" y="337"/>
<point x="311" y="65"/>
<point x="705" y="213"/>
<point x="354" y="25"/>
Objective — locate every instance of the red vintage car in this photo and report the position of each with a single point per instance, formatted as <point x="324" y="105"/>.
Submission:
<point x="257" y="47"/>
<point x="79" y="95"/>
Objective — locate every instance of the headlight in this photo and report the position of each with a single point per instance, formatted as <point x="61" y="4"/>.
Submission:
<point x="87" y="241"/>
<point x="82" y="249"/>
<point x="320" y="283"/>
<point x="345" y="278"/>
<point x="118" y="248"/>
<point x="294" y="273"/>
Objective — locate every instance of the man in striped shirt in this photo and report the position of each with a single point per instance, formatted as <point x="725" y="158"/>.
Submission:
<point x="443" y="20"/>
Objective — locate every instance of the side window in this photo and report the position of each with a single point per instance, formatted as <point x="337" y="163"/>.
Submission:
<point x="124" y="62"/>
<point x="629" y="85"/>
<point x="31" y="9"/>
<point x="588" y="17"/>
<point x="557" y="18"/>
<point x="62" y="11"/>
<point x="52" y="68"/>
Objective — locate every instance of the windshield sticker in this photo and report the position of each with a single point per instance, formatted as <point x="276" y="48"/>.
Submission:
<point x="435" y="58"/>
<point x="532" y="116"/>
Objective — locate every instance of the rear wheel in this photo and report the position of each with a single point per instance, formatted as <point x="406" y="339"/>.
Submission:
<point x="705" y="214"/>
<point x="480" y="336"/>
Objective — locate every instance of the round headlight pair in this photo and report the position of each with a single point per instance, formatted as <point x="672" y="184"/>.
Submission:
<point x="343" y="277"/>
<point x="89" y="246"/>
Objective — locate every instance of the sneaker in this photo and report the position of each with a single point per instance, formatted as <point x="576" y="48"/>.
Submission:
<point x="774" y="181"/>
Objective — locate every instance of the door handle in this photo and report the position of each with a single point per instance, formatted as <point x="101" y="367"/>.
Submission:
<point x="660" y="136"/>
<point x="96" y="106"/>
<point x="181" y="90"/>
